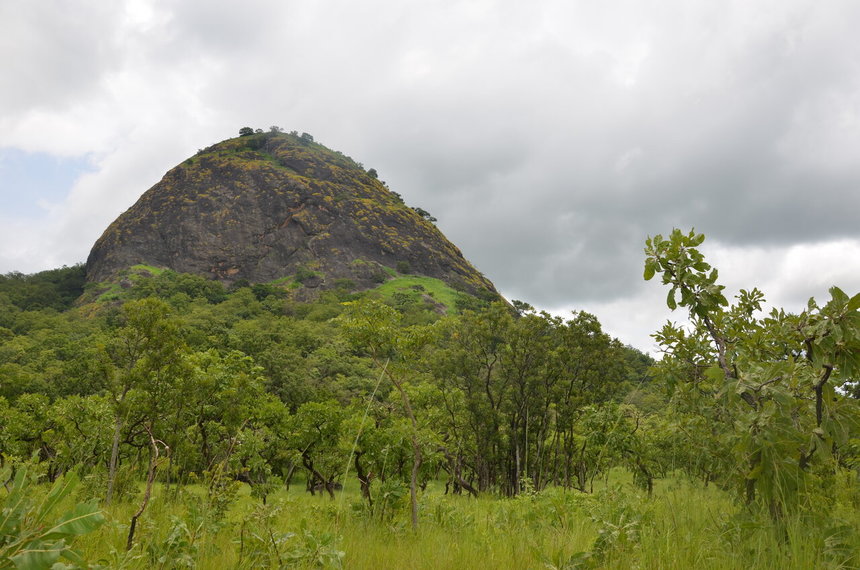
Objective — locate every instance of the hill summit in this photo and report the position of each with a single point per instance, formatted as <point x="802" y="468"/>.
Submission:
<point x="266" y="206"/>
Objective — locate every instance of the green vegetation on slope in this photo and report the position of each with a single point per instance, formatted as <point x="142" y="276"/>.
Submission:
<point x="245" y="411"/>
<point x="53" y="289"/>
<point x="415" y="288"/>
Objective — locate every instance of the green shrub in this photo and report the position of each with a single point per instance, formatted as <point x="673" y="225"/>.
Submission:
<point x="303" y="274"/>
<point x="404" y="267"/>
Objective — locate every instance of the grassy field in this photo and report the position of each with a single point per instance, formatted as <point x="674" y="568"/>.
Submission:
<point x="682" y="526"/>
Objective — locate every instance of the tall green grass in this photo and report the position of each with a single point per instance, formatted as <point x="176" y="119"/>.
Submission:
<point x="682" y="526"/>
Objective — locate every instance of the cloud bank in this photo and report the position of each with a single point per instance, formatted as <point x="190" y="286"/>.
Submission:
<point x="548" y="138"/>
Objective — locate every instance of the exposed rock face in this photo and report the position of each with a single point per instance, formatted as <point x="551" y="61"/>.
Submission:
<point x="272" y="205"/>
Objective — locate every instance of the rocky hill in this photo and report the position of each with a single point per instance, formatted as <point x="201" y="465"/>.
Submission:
<point x="267" y="206"/>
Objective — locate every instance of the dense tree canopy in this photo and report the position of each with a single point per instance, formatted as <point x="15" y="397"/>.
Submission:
<point x="498" y="395"/>
<point x="175" y="379"/>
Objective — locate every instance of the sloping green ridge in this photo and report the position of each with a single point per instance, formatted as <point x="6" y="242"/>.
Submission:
<point x="415" y="285"/>
<point x="415" y="288"/>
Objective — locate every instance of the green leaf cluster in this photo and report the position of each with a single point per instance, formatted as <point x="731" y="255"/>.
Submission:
<point x="766" y="399"/>
<point x="35" y="533"/>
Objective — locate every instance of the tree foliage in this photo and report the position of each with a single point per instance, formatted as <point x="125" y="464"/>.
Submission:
<point x="768" y="393"/>
<point x="177" y="380"/>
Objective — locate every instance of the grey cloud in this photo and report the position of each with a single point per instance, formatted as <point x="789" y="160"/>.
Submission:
<point x="548" y="138"/>
<point x="54" y="54"/>
<point x="541" y="164"/>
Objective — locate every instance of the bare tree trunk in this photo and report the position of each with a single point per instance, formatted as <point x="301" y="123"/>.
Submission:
<point x="416" y="452"/>
<point x="317" y="476"/>
<point x="525" y="452"/>
<point x="363" y="478"/>
<point x="150" y="479"/>
<point x="114" y="458"/>
<point x="413" y="483"/>
<point x="454" y="466"/>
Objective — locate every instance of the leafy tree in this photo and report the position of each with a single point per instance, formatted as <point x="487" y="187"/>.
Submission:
<point x="169" y="284"/>
<point x="771" y="387"/>
<point x="467" y="366"/>
<point x="80" y="434"/>
<point x="514" y="389"/>
<point x="521" y="307"/>
<point x="55" y="288"/>
<point x="315" y="433"/>
<point x="217" y="401"/>
<point x="246" y="131"/>
<point x="425" y="214"/>
<point x="145" y="367"/>
<point x="374" y="327"/>
<point x="404" y="267"/>
<point x="25" y="428"/>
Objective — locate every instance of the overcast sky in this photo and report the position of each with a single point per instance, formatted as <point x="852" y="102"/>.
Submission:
<point x="549" y="138"/>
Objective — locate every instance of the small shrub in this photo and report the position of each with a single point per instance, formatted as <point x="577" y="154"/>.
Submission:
<point x="261" y="542"/>
<point x="317" y="549"/>
<point x="303" y="274"/>
<point x="344" y="284"/>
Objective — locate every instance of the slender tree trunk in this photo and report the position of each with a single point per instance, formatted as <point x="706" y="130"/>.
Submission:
<point x="416" y="448"/>
<point x="363" y="479"/>
<point x="150" y="479"/>
<point x="289" y="478"/>
<point x="516" y="482"/>
<point x="526" y="447"/>
<point x="114" y="458"/>
<point x="416" y="452"/>
<point x="413" y="483"/>
<point x="456" y="469"/>
<point x="317" y="476"/>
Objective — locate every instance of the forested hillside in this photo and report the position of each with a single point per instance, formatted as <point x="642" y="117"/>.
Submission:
<point x="499" y="391"/>
<point x="198" y="421"/>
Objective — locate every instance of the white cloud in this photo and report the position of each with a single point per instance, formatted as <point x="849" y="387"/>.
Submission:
<point x="789" y="276"/>
<point x="549" y="138"/>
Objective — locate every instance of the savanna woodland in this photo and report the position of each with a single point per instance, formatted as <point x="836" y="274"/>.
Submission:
<point x="165" y="421"/>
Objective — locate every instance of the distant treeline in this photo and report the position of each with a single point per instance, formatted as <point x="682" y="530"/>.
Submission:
<point x="51" y="289"/>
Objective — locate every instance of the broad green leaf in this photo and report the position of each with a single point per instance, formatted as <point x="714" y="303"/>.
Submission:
<point x="62" y="487"/>
<point x="838" y="295"/>
<point x="39" y="555"/>
<point x="650" y="270"/>
<point x="716" y="375"/>
<point x="854" y="303"/>
<point x="670" y="300"/>
<point x="74" y="556"/>
<point x="756" y="471"/>
<point x="85" y="518"/>
<point x="15" y="503"/>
